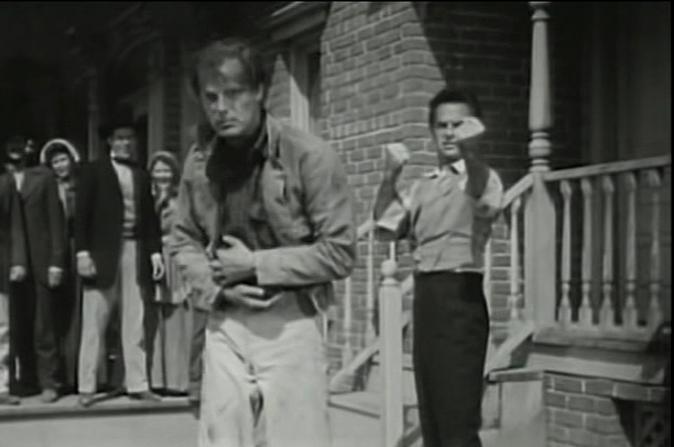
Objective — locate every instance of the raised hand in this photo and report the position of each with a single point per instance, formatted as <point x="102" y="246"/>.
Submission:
<point x="397" y="155"/>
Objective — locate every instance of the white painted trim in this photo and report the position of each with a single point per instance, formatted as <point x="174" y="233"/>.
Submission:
<point x="303" y="25"/>
<point x="299" y="103"/>
<point x="295" y="18"/>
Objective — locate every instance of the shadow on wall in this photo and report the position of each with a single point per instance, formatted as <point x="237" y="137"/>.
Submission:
<point x="485" y="47"/>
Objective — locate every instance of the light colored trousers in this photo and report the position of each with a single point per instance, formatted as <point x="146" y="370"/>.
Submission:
<point x="4" y="343"/>
<point x="97" y="305"/>
<point x="276" y="353"/>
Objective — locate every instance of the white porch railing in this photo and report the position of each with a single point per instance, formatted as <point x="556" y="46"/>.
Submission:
<point x="622" y="205"/>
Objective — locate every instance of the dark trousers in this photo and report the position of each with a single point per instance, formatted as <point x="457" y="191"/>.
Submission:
<point x="33" y="334"/>
<point x="451" y="328"/>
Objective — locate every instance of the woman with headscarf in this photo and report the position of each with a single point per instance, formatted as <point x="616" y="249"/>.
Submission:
<point x="62" y="158"/>
<point x="173" y="315"/>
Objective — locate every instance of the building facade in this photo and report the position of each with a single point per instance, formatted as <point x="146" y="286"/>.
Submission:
<point x="361" y="74"/>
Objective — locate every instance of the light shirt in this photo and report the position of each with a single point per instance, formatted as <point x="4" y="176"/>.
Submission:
<point x="125" y="177"/>
<point x="18" y="178"/>
<point x="448" y="229"/>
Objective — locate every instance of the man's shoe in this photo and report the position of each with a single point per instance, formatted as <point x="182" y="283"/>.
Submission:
<point x="146" y="396"/>
<point x="86" y="399"/>
<point x="8" y="399"/>
<point x="49" y="396"/>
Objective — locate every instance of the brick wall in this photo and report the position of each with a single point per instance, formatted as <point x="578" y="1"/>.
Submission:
<point x="584" y="412"/>
<point x="381" y="62"/>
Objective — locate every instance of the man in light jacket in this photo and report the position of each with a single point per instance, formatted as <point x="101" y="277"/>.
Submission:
<point x="264" y="224"/>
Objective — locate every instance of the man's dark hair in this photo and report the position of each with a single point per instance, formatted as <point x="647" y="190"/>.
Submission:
<point x="16" y="144"/>
<point x="447" y="96"/>
<point x="212" y="57"/>
<point x="120" y="119"/>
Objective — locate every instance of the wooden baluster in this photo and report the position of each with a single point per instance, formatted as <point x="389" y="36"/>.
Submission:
<point x="565" y="311"/>
<point x="607" y="315"/>
<point x="630" y="314"/>
<point x="585" y="310"/>
<point x="515" y="294"/>
<point x="655" y="317"/>
<point x="369" y="303"/>
<point x="392" y="251"/>
<point x="390" y="317"/>
<point x="347" y="349"/>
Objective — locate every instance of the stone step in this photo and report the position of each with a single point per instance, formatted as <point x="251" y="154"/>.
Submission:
<point x="67" y="406"/>
<point x="368" y="404"/>
<point x="112" y="423"/>
<point x="512" y="399"/>
<point x="364" y="428"/>
<point x="374" y="383"/>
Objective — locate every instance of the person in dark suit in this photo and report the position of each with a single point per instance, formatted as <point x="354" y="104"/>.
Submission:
<point x="43" y="224"/>
<point x="118" y="243"/>
<point x="12" y="269"/>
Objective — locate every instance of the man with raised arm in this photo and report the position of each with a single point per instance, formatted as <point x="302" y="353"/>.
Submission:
<point x="447" y="215"/>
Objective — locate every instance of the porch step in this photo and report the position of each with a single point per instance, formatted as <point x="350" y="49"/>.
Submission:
<point x="114" y="423"/>
<point x="515" y="398"/>
<point x="32" y="408"/>
<point x="368" y="404"/>
<point x="512" y="408"/>
<point x="374" y="380"/>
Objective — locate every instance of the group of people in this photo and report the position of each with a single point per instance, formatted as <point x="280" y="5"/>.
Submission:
<point x="79" y="244"/>
<point x="242" y="256"/>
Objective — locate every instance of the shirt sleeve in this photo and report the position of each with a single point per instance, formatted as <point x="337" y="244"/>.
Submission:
<point x="491" y="201"/>
<point x="395" y="220"/>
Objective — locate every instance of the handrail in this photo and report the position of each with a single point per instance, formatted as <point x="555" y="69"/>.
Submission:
<point x="608" y="168"/>
<point x="523" y="185"/>
<point x="498" y="358"/>
<point x="365" y="228"/>
<point x="369" y="351"/>
<point x="360" y="359"/>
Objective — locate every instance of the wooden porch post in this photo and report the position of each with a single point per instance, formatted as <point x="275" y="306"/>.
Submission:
<point x="156" y="107"/>
<point x="391" y="354"/>
<point x="540" y="231"/>
<point x="93" y="115"/>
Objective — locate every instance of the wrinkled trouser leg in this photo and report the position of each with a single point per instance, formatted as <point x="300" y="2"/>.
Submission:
<point x="278" y="353"/>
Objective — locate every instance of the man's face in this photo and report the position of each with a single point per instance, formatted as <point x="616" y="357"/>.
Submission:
<point x="448" y="117"/>
<point x="61" y="165"/>
<point x="123" y="144"/>
<point x="232" y="105"/>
